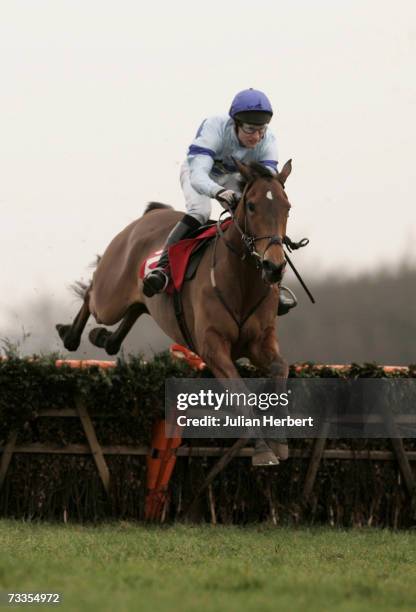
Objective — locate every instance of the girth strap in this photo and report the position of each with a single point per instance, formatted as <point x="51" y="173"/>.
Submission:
<point x="180" y="317"/>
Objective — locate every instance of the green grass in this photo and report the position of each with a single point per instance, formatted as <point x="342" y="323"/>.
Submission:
<point x="124" y="566"/>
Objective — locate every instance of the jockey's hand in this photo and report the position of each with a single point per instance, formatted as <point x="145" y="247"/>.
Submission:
<point x="227" y="197"/>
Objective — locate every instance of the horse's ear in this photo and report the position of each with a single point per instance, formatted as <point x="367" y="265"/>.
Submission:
<point x="284" y="173"/>
<point x="243" y="169"/>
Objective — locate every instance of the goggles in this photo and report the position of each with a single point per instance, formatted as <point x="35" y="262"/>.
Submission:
<point x="248" y="128"/>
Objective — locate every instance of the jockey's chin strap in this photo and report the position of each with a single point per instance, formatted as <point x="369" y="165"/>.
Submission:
<point x="250" y="243"/>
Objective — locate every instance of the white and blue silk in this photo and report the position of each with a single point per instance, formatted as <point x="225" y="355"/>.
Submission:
<point x="209" y="166"/>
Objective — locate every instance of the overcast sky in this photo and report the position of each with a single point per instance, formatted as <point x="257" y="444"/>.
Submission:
<point x="99" y="101"/>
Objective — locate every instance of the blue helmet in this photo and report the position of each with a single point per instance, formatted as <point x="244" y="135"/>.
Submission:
<point x="251" y="106"/>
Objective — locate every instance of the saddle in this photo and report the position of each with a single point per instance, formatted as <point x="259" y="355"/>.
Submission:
<point x="199" y="249"/>
<point x="184" y="256"/>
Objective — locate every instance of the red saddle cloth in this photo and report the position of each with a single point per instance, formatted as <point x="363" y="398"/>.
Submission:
<point x="179" y="255"/>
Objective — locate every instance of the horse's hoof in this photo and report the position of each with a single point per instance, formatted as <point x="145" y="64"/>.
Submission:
<point x="99" y="336"/>
<point x="263" y="455"/>
<point x="62" y="329"/>
<point x="266" y="459"/>
<point x="279" y="447"/>
<point x="71" y="344"/>
<point x="112" y="349"/>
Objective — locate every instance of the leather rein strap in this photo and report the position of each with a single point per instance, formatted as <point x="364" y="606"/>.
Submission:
<point x="180" y="317"/>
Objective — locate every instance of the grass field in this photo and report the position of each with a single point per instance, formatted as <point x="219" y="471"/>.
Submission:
<point x="124" y="566"/>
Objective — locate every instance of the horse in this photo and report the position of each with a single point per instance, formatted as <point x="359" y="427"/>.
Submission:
<point x="229" y="306"/>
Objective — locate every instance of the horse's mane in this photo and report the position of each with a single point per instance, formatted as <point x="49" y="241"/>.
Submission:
<point x="155" y="206"/>
<point x="257" y="170"/>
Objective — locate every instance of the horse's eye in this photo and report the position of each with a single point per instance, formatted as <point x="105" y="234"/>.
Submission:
<point x="250" y="207"/>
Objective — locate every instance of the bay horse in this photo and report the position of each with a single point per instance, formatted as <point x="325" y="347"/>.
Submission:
<point x="229" y="306"/>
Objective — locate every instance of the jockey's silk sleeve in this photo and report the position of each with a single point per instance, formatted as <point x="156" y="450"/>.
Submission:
<point x="201" y="156"/>
<point x="213" y="151"/>
<point x="268" y="152"/>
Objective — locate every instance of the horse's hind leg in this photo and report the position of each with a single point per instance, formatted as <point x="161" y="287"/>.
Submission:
<point x="71" y="334"/>
<point x="111" y="341"/>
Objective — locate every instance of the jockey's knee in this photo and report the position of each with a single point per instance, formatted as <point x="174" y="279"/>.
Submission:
<point x="200" y="211"/>
<point x="202" y="219"/>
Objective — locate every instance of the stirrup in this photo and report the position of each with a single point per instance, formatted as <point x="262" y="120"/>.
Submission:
<point x="156" y="281"/>
<point x="287" y="300"/>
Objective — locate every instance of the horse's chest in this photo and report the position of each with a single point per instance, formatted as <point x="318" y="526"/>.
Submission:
<point x="246" y="335"/>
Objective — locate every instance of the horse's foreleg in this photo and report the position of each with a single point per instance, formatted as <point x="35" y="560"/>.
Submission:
<point x="265" y="353"/>
<point x="217" y="355"/>
<point x="71" y="334"/>
<point x="111" y="341"/>
<point x="216" y="352"/>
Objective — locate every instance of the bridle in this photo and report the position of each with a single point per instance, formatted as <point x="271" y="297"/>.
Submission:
<point x="249" y="241"/>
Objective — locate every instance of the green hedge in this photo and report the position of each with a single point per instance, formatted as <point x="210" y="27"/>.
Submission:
<point x="124" y="401"/>
<point x="131" y="390"/>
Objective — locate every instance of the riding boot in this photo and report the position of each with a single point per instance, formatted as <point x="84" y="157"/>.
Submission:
<point x="157" y="279"/>
<point x="287" y="301"/>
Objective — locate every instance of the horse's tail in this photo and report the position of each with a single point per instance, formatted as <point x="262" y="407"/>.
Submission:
<point x="155" y="206"/>
<point x="81" y="289"/>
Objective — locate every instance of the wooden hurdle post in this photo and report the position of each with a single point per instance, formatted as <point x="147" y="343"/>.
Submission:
<point x="82" y="413"/>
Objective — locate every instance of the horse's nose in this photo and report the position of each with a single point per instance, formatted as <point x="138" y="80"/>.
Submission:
<point x="273" y="273"/>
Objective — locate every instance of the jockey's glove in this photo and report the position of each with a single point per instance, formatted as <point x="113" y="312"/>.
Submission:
<point x="227" y="197"/>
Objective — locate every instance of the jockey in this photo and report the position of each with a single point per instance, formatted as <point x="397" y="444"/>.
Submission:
<point x="209" y="172"/>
